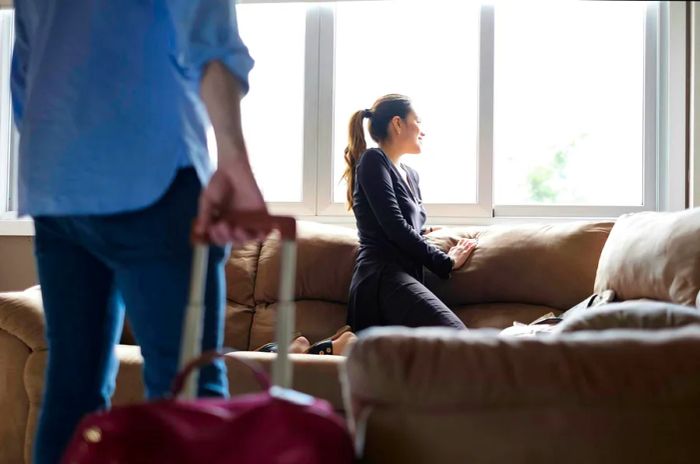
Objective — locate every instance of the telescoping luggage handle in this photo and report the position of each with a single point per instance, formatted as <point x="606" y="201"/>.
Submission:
<point x="194" y="315"/>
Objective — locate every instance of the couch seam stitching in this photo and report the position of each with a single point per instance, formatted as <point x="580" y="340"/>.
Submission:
<point x="255" y="284"/>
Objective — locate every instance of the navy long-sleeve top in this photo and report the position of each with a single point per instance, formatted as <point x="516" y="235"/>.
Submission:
<point x="390" y="217"/>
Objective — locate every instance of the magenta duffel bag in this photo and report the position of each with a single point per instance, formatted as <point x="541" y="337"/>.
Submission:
<point x="276" y="426"/>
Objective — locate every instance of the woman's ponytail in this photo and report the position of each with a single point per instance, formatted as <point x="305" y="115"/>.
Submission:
<point x="356" y="147"/>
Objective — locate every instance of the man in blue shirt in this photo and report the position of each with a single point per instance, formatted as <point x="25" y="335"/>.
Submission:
<point x="112" y="101"/>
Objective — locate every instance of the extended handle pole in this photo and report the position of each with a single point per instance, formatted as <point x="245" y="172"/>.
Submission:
<point x="191" y="347"/>
<point x="282" y="366"/>
<point x="194" y="315"/>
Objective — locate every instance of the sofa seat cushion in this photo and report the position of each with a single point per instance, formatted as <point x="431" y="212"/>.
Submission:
<point x="500" y="315"/>
<point x="653" y="255"/>
<point x="631" y="314"/>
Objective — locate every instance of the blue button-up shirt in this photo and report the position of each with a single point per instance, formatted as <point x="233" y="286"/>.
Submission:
<point x="106" y="98"/>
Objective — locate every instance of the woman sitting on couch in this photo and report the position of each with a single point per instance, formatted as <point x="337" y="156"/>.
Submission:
<point x="387" y="285"/>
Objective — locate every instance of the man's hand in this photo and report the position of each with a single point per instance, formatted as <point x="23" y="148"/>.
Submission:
<point x="232" y="188"/>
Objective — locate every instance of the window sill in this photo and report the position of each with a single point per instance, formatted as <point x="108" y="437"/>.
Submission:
<point x="11" y="225"/>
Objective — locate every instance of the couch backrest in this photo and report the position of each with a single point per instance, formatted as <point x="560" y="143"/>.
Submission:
<point x="549" y="265"/>
<point x="538" y="264"/>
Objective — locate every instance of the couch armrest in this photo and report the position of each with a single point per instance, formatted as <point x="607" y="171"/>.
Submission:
<point x="618" y="396"/>
<point x="441" y="369"/>
<point x="22" y="315"/>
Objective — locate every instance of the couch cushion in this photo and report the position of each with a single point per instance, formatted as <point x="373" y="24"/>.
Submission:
<point x="238" y="321"/>
<point x="240" y="274"/>
<point x="632" y="314"/>
<point x="325" y="259"/>
<point x="653" y="255"/>
<point x="312" y="374"/>
<point x="551" y="264"/>
<point x="500" y="315"/>
<point x="315" y="319"/>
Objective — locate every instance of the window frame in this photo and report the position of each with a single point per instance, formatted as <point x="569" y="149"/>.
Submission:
<point x="650" y="122"/>
<point x="663" y="153"/>
<point x="664" y="113"/>
<point x="8" y="134"/>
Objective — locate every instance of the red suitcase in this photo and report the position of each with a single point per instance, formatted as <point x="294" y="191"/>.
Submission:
<point x="278" y="425"/>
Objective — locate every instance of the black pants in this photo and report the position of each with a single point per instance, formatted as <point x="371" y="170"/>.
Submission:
<point x="403" y="300"/>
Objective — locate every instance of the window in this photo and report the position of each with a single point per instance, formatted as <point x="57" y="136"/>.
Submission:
<point x="527" y="113"/>
<point x="568" y="112"/>
<point x="388" y="47"/>
<point x="273" y="110"/>
<point x="530" y="109"/>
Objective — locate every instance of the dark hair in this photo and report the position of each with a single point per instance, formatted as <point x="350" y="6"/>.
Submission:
<point x="380" y="115"/>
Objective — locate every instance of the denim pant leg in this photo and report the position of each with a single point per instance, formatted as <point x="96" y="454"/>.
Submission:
<point x="83" y="322"/>
<point x="144" y="255"/>
<point x="155" y="295"/>
<point x="151" y="255"/>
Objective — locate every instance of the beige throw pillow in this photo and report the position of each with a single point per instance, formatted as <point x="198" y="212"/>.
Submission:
<point x="653" y="255"/>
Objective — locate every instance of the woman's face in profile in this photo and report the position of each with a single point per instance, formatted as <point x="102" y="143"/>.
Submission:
<point x="412" y="135"/>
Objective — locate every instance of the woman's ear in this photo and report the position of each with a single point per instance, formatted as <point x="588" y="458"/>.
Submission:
<point x="397" y="124"/>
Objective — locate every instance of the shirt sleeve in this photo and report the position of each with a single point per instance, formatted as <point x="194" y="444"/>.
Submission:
<point x="18" y="74"/>
<point x="375" y="180"/>
<point x="207" y="30"/>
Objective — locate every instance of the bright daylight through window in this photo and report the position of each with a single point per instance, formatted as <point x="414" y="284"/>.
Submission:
<point x="273" y="111"/>
<point x="539" y="105"/>
<point x="429" y="54"/>
<point x="568" y="110"/>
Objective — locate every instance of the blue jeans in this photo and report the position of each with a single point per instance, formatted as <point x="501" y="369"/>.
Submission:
<point x="92" y="270"/>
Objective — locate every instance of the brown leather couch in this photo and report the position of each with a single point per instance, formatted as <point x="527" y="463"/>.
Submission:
<point x="518" y="273"/>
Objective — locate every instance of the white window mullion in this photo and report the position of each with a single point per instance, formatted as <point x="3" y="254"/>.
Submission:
<point x="671" y="110"/>
<point x="651" y="92"/>
<point x="694" y="193"/>
<point x="6" y="145"/>
<point x="311" y="110"/>
<point x="326" y="133"/>
<point x="485" y="177"/>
